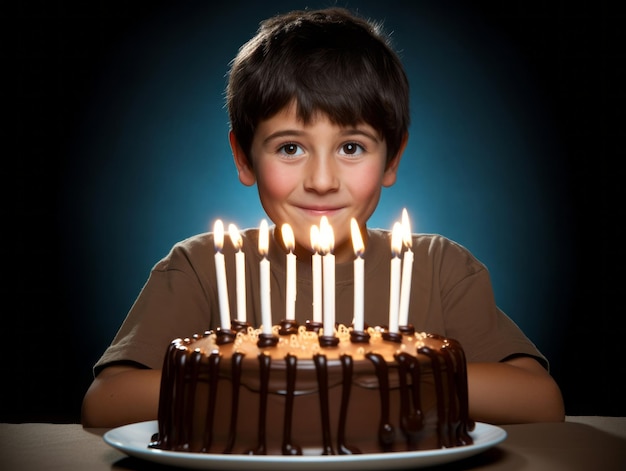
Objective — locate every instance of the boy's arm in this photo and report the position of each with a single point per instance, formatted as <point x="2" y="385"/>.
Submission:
<point x="514" y="391"/>
<point x="121" y="395"/>
<point x="518" y="390"/>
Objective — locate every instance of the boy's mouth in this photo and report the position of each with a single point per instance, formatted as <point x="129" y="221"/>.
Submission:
<point x="320" y="211"/>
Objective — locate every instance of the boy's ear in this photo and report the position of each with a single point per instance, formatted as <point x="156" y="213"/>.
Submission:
<point x="391" y="171"/>
<point x="246" y="175"/>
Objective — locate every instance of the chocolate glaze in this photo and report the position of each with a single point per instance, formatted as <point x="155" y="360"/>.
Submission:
<point x="267" y="340"/>
<point x="313" y="326"/>
<point x="225" y="336"/>
<point x="239" y="326"/>
<point x="408" y="329"/>
<point x="392" y="336"/>
<point x="359" y="336"/>
<point x="186" y="368"/>
<point x="288" y="327"/>
<point x="328" y="340"/>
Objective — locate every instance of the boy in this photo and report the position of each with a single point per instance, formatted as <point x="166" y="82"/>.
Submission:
<point x="319" y="114"/>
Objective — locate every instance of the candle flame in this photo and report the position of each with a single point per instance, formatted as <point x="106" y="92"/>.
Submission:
<point x="315" y="238"/>
<point x="264" y="238"/>
<point x="327" y="237"/>
<point x="218" y="235"/>
<point x="396" y="239"/>
<point x="406" y="229"/>
<point x="357" y="239"/>
<point x="288" y="238"/>
<point x="235" y="237"/>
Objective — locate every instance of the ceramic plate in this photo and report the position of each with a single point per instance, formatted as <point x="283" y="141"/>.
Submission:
<point x="133" y="440"/>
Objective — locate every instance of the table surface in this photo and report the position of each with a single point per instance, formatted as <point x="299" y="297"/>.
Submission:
<point x="579" y="443"/>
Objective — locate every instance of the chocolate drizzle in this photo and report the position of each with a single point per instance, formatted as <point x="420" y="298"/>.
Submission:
<point x="411" y="420"/>
<point x="214" y="364"/>
<point x="453" y="422"/>
<point x="234" y="409"/>
<point x="346" y="385"/>
<point x="265" y="362"/>
<point x="188" y="398"/>
<point x="322" y="381"/>
<point x="185" y="367"/>
<point x="163" y="438"/>
<point x="288" y="447"/>
<point x="459" y="373"/>
<point x="441" y="406"/>
<point x="386" y="431"/>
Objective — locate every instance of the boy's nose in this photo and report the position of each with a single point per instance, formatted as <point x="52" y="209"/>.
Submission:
<point x="321" y="175"/>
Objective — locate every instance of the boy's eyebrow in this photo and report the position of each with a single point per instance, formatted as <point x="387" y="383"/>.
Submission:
<point x="298" y="132"/>
<point x="283" y="133"/>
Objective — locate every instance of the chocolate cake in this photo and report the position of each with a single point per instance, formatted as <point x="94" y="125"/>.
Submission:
<point x="368" y="393"/>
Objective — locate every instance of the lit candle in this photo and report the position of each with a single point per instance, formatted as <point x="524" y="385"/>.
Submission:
<point x="407" y="269"/>
<point x="357" y="242"/>
<point x="220" y="271"/>
<point x="316" y="262"/>
<point x="327" y="241"/>
<point x="394" y="282"/>
<point x="266" y="306"/>
<point x="240" y="271"/>
<point x="290" y="297"/>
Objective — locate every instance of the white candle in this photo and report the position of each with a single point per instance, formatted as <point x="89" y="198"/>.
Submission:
<point x="407" y="269"/>
<point x="358" y="321"/>
<point x="316" y="268"/>
<point x="327" y="241"/>
<point x="394" y="282"/>
<point x="266" y="306"/>
<point x="290" y="297"/>
<point x="220" y="271"/>
<point x="240" y="271"/>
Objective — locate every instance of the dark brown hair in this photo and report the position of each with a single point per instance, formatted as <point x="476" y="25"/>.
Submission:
<point x="326" y="60"/>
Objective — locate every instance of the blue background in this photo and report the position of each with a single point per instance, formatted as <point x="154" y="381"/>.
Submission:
<point x="144" y="158"/>
<point x="480" y="166"/>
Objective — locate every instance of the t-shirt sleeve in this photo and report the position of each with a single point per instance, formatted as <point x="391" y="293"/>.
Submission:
<point x="176" y="301"/>
<point x="471" y="315"/>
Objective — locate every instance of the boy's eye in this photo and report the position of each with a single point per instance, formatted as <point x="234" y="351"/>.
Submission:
<point x="290" y="149"/>
<point x="351" y="148"/>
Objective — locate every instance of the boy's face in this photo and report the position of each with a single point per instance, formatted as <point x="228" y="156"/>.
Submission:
<point x="306" y="171"/>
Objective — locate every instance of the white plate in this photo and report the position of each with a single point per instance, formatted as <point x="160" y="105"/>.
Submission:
<point x="133" y="440"/>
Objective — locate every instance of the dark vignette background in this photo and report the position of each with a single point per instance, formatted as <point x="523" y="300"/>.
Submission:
<point x="77" y="179"/>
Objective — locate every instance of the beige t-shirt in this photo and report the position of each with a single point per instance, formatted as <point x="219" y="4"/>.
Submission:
<point x="451" y="295"/>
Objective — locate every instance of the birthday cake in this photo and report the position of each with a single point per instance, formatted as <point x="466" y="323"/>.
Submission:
<point x="289" y="394"/>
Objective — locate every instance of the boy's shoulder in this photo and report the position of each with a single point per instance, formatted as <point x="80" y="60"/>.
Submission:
<point x="205" y="241"/>
<point x="378" y="236"/>
<point x="430" y="245"/>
